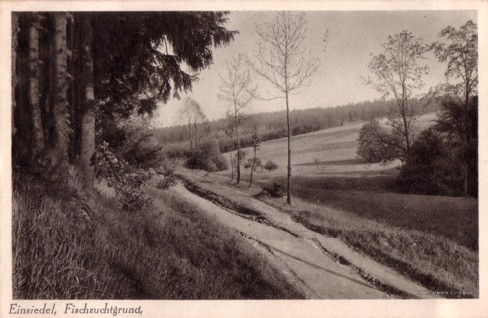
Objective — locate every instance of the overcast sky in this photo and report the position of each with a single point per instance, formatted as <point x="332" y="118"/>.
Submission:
<point x="352" y="38"/>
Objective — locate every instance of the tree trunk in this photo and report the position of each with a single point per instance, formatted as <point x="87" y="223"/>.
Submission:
<point x="189" y="132"/>
<point x="15" y="30"/>
<point x="231" y="166"/>
<point x="238" y="166"/>
<point x="466" y="141"/>
<point x="21" y="143"/>
<point x="252" y="167"/>
<point x="195" y="132"/>
<point x="59" y="99"/>
<point x="37" y="140"/>
<point x="288" y="186"/>
<point x="238" y="146"/>
<point x="88" y="102"/>
<point x="407" y="134"/>
<point x="47" y="53"/>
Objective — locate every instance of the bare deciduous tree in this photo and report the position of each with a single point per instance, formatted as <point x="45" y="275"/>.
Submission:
<point x="192" y="114"/>
<point x="281" y="60"/>
<point x="397" y="72"/>
<point x="239" y="91"/>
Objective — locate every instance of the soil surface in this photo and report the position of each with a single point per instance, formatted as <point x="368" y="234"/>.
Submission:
<point x="321" y="267"/>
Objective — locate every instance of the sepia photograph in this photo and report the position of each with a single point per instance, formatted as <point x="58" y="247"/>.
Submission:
<point x="240" y="154"/>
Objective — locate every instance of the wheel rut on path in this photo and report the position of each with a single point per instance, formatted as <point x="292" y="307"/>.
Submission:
<point x="319" y="266"/>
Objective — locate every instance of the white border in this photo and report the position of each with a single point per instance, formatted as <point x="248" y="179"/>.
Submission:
<point x="304" y="308"/>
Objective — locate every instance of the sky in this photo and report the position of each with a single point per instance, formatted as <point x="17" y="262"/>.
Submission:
<point x="352" y="38"/>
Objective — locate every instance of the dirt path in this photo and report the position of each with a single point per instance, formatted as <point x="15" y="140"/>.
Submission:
<point x="321" y="267"/>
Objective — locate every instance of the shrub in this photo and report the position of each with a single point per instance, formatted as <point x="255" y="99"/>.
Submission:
<point x="274" y="190"/>
<point x="270" y="165"/>
<point x="166" y="174"/>
<point x="124" y="178"/>
<point x="432" y="167"/>
<point x="206" y="157"/>
<point x="376" y="145"/>
<point x="249" y="162"/>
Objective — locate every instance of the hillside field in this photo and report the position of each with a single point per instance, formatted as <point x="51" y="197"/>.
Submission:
<point x="334" y="150"/>
<point x="431" y="239"/>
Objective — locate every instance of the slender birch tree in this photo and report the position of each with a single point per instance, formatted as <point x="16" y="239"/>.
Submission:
<point x="282" y="61"/>
<point x="239" y="91"/>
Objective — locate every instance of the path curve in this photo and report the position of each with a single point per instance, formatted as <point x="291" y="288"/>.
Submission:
<point x="321" y="267"/>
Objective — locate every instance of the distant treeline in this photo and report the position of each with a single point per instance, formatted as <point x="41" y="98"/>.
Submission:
<point x="272" y="125"/>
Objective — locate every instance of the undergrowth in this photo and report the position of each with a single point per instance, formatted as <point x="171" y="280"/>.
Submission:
<point x="74" y="245"/>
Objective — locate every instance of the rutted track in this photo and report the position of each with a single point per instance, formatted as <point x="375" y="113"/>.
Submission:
<point x="319" y="266"/>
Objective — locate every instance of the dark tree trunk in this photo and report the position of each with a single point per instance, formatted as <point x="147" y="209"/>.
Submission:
<point x="252" y="167"/>
<point x="37" y="140"/>
<point x="47" y="80"/>
<point x="466" y="141"/>
<point x="21" y="140"/>
<point x="195" y="132"/>
<point x="15" y="30"/>
<point x="238" y="165"/>
<point x="238" y="146"/>
<point x="189" y="132"/>
<point x="74" y="69"/>
<point x="231" y="166"/>
<point x="88" y="110"/>
<point x="288" y="186"/>
<point x="59" y="105"/>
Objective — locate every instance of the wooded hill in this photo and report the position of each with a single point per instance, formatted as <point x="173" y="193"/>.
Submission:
<point x="272" y="125"/>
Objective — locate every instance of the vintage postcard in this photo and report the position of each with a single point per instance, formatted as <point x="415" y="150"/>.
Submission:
<point x="243" y="158"/>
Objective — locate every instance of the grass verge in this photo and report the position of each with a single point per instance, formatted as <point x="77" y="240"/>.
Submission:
<point x="439" y="263"/>
<point x="453" y="218"/>
<point x="171" y="251"/>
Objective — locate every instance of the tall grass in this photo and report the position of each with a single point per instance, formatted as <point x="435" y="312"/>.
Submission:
<point x="171" y="251"/>
<point x="53" y="253"/>
<point x="453" y="218"/>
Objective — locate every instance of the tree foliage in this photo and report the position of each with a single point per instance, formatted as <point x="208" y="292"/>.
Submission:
<point x="439" y="156"/>
<point x="460" y="51"/>
<point x="196" y="121"/>
<point x="206" y="156"/>
<point x="87" y="72"/>
<point x="377" y="145"/>
<point x="140" y="60"/>
<point x="270" y="165"/>
<point x="429" y="168"/>
<point x="397" y="73"/>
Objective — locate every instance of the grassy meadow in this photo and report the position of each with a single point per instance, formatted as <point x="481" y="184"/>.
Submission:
<point x="432" y="239"/>
<point x="169" y="251"/>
